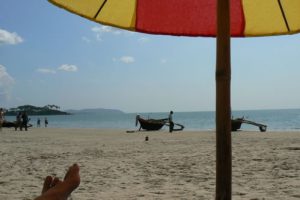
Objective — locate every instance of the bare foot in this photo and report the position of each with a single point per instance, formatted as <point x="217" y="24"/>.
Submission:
<point x="55" y="189"/>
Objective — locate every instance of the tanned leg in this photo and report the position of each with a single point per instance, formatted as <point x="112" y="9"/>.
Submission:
<point x="55" y="189"/>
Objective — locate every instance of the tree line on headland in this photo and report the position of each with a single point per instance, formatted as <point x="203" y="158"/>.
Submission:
<point x="35" y="110"/>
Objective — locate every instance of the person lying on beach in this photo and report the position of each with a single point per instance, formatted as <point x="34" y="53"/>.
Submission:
<point x="55" y="189"/>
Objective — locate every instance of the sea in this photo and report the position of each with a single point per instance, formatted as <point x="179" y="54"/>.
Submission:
<point x="276" y="120"/>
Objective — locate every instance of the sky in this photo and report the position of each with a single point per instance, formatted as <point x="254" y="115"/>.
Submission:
<point x="50" y="56"/>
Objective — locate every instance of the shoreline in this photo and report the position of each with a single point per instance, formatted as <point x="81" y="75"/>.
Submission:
<point x="119" y="165"/>
<point x="276" y="120"/>
<point x="163" y="130"/>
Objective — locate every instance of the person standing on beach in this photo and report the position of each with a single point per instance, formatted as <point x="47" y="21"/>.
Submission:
<point x="24" y="120"/>
<point x="1" y="118"/>
<point x="38" y="123"/>
<point x="171" y="123"/>
<point x="46" y="122"/>
<point x="18" y="121"/>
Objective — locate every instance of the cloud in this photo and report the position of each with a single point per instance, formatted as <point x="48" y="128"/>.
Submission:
<point x="46" y="71"/>
<point x="106" y="29"/>
<point x="87" y="40"/>
<point x="9" y="38"/>
<point x="127" y="59"/>
<point x="124" y="59"/>
<point x="64" y="67"/>
<point x="101" y="30"/>
<point x="68" y="68"/>
<point x="6" y="84"/>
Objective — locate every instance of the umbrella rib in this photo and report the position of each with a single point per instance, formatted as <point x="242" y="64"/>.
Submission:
<point x="100" y="9"/>
<point x="283" y="15"/>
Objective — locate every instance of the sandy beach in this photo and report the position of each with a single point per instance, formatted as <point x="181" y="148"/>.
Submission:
<point x="119" y="165"/>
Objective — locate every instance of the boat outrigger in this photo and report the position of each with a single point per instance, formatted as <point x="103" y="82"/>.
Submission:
<point x="237" y="123"/>
<point x="155" y="124"/>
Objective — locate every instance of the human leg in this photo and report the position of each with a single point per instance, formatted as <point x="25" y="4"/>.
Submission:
<point x="54" y="189"/>
<point x="171" y="127"/>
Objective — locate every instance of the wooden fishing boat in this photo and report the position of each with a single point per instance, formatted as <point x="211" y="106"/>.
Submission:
<point x="155" y="124"/>
<point x="8" y="124"/>
<point x="237" y="123"/>
<point x="150" y="124"/>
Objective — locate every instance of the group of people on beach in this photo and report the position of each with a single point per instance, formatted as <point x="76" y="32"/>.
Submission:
<point x="22" y="120"/>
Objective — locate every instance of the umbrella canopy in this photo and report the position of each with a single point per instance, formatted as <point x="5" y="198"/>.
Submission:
<point x="190" y="17"/>
<point x="209" y="18"/>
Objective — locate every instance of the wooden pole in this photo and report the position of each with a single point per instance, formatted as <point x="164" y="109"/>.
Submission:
<point x="223" y="108"/>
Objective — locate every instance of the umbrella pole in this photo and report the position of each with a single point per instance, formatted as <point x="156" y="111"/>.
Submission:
<point x="223" y="109"/>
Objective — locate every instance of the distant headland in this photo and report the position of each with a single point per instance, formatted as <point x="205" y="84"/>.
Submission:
<point x="55" y="110"/>
<point x="34" y="110"/>
<point x="103" y="111"/>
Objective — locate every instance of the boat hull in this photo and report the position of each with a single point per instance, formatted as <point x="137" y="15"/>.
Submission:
<point x="150" y="124"/>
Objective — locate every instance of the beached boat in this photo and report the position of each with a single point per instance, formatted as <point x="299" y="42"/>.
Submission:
<point x="237" y="123"/>
<point x="155" y="124"/>
<point x="8" y="124"/>
<point x="151" y="124"/>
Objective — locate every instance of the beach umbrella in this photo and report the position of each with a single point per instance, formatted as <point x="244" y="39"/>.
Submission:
<point x="222" y="19"/>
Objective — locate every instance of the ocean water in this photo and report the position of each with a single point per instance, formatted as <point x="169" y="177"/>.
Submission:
<point x="276" y="120"/>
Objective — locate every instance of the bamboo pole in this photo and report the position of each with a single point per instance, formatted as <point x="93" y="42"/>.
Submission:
<point x="223" y="109"/>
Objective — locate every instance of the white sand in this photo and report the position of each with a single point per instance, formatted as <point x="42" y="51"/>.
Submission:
<point x="119" y="165"/>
